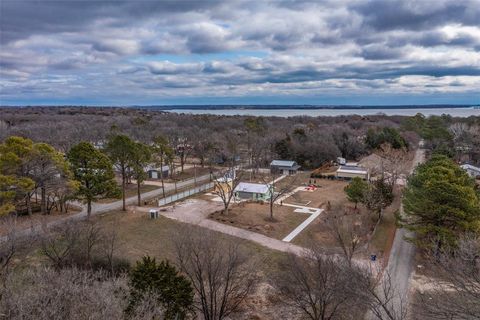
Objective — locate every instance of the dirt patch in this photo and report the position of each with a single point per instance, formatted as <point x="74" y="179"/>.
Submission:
<point x="326" y="192"/>
<point x="256" y="217"/>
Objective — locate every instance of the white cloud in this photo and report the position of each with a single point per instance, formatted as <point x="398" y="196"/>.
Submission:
<point x="241" y="48"/>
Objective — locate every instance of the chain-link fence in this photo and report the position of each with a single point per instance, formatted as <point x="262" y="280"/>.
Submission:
<point x="185" y="194"/>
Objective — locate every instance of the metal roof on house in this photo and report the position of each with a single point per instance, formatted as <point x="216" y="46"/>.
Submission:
<point x="470" y="167"/>
<point x="156" y="168"/>
<point x="283" y="163"/>
<point x="352" y="169"/>
<point x="252" y="187"/>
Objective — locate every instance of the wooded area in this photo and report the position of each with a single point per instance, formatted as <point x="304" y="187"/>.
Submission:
<point x="52" y="157"/>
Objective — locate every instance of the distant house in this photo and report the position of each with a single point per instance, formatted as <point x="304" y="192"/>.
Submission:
<point x="99" y="145"/>
<point x="284" y="167"/>
<point x="157" y="172"/>
<point x="350" y="172"/>
<point x="472" y="171"/>
<point x="222" y="159"/>
<point x="253" y="191"/>
<point x="224" y="184"/>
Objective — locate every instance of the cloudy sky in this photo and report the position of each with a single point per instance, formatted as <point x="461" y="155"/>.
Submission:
<point x="239" y="52"/>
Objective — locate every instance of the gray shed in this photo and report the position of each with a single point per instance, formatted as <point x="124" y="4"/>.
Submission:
<point x="285" y="167"/>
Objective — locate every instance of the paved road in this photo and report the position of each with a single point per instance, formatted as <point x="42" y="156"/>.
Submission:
<point x="98" y="208"/>
<point x="400" y="262"/>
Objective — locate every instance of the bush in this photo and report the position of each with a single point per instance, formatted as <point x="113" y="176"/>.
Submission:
<point x="375" y="138"/>
<point x="172" y="290"/>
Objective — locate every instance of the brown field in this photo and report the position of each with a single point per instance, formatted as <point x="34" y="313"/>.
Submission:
<point x="26" y="221"/>
<point x="140" y="236"/>
<point x="328" y="191"/>
<point x="332" y="191"/>
<point x="256" y="217"/>
<point x="329" y="194"/>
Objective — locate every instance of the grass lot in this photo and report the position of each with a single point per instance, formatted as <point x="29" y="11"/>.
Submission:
<point x="328" y="191"/>
<point x="130" y="191"/>
<point x="332" y="191"/>
<point x="255" y="217"/>
<point x="141" y="236"/>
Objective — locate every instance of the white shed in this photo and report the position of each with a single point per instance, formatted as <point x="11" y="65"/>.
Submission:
<point x="350" y="172"/>
<point x="472" y="171"/>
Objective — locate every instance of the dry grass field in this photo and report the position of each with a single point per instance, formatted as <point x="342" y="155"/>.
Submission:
<point x="139" y="235"/>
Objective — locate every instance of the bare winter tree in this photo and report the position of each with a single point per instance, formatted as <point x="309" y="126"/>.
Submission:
<point x="183" y="149"/>
<point x="378" y="293"/>
<point x="278" y="190"/>
<point x="73" y="243"/>
<point x="394" y="164"/>
<point x="316" y="286"/>
<point x="454" y="290"/>
<point x="43" y="293"/>
<point x="8" y="247"/>
<point x="59" y="195"/>
<point x="110" y="244"/>
<point x="91" y="237"/>
<point x="59" y="243"/>
<point x="225" y="183"/>
<point x="348" y="230"/>
<point x="218" y="270"/>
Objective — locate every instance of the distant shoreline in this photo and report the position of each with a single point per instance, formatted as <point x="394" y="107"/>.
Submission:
<point x="260" y="107"/>
<point x="303" y="107"/>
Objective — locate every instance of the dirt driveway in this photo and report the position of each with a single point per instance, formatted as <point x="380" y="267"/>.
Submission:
<point x="191" y="211"/>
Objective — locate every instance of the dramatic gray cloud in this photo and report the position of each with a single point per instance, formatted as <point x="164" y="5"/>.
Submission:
<point x="134" y="52"/>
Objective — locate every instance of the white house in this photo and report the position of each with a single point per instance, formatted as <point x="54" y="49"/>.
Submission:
<point x="253" y="191"/>
<point x="472" y="171"/>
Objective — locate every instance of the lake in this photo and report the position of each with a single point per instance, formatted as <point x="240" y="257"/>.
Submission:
<point x="455" y="112"/>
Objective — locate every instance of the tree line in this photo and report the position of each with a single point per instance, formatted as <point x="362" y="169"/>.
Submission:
<point x="31" y="170"/>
